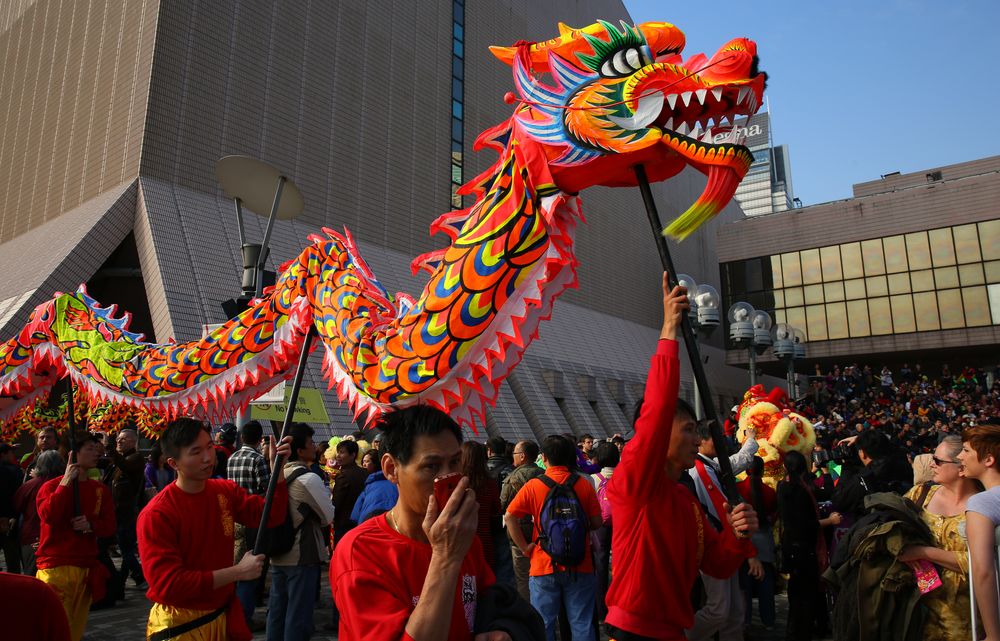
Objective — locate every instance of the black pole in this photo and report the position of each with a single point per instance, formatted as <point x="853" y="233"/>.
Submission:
<point x="279" y="461"/>
<point x="726" y="477"/>
<point x="71" y="424"/>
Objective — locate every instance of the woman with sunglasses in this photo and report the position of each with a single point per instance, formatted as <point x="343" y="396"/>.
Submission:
<point x="943" y="501"/>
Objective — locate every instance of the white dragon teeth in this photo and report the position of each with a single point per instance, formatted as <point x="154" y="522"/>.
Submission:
<point x="742" y="94"/>
<point x="670" y="124"/>
<point x="701" y="93"/>
<point x="672" y="101"/>
<point x="686" y="98"/>
<point x="717" y="92"/>
<point x="682" y="129"/>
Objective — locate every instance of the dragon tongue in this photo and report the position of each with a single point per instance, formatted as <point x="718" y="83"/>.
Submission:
<point x="721" y="185"/>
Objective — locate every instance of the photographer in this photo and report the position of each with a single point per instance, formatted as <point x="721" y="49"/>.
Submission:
<point x="885" y="470"/>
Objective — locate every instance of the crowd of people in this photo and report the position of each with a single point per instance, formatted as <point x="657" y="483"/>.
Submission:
<point x="429" y="536"/>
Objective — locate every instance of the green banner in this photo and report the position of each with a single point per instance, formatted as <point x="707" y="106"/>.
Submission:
<point x="309" y="408"/>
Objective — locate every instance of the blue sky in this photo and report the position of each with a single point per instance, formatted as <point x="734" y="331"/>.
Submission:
<point x="860" y="89"/>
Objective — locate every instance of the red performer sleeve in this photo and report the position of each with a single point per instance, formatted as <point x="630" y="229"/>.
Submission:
<point x="641" y="467"/>
<point x="104" y="524"/>
<point x="724" y="551"/>
<point x="55" y="502"/>
<point x="250" y="507"/>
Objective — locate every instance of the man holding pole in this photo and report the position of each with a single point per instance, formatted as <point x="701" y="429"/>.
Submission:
<point x="661" y="533"/>
<point x="186" y="541"/>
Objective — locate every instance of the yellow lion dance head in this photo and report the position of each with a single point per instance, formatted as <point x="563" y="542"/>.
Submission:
<point x="779" y="429"/>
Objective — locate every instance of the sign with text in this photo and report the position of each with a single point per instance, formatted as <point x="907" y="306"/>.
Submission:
<point x="309" y="408"/>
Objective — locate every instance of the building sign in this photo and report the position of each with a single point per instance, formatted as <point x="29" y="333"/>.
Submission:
<point x="309" y="408"/>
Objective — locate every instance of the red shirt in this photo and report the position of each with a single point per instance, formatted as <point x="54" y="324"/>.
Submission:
<point x="30" y="610"/>
<point x="377" y="575"/>
<point x="184" y="538"/>
<point x="529" y="501"/>
<point x="661" y="536"/>
<point x="59" y="544"/>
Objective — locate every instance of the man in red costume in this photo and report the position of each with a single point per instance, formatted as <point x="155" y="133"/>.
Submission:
<point x="661" y="534"/>
<point x="186" y="541"/>
<point x="74" y="512"/>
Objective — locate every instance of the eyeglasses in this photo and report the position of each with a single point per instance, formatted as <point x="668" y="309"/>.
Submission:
<point x="516" y="453"/>
<point x="938" y="461"/>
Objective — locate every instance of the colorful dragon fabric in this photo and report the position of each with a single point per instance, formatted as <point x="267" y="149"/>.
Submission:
<point x="779" y="429"/>
<point x="615" y="97"/>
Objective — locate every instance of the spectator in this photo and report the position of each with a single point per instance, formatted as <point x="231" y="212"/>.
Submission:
<point x="943" y="504"/>
<point x="497" y="463"/>
<point x="10" y="480"/>
<point x="188" y="560"/>
<point x="158" y="473"/>
<point x="47" y="439"/>
<point x="347" y="488"/>
<point x="248" y="469"/>
<point x="759" y="577"/>
<point x="885" y="470"/>
<point x="127" y="488"/>
<point x="553" y="585"/>
<point x="419" y="569"/>
<point x="370" y="461"/>
<point x="225" y="445"/>
<point x="377" y="442"/>
<point x="377" y="498"/>
<point x="586" y="445"/>
<point x="980" y="459"/>
<point x="67" y="546"/>
<point x="295" y="574"/>
<point x="525" y="453"/>
<point x="607" y="457"/>
<point x="803" y="550"/>
<point x="48" y="465"/>
<point x="487" y="495"/>
<point x="661" y="534"/>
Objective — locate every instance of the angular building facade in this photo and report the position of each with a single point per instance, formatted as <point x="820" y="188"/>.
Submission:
<point x="115" y="114"/>
<point x="767" y="187"/>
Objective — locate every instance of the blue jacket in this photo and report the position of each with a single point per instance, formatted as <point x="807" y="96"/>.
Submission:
<point x="379" y="496"/>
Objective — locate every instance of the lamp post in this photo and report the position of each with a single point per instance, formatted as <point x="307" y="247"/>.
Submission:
<point x="750" y="329"/>
<point x="704" y="317"/>
<point x="789" y="347"/>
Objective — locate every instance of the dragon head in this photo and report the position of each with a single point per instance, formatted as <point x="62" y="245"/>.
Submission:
<point x="624" y="97"/>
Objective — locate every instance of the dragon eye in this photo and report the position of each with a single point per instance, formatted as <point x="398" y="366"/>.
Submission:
<point x="624" y="62"/>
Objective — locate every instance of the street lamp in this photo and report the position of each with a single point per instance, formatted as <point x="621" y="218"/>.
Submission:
<point x="750" y="329"/>
<point x="789" y="347"/>
<point x="703" y="313"/>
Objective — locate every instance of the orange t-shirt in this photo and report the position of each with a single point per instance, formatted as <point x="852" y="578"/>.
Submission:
<point x="529" y="501"/>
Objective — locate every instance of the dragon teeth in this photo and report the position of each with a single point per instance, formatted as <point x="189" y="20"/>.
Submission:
<point x="742" y="94"/>
<point x="670" y="124"/>
<point x="672" y="101"/>
<point x="717" y="92"/>
<point x="701" y="93"/>
<point x="686" y="98"/>
<point x="682" y="129"/>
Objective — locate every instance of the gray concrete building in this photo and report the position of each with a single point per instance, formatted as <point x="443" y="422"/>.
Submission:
<point x="767" y="187"/>
<point x="906" y="270"/>
<point x="114" y="115"/>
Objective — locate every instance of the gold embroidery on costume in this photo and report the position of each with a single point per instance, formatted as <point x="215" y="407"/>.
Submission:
<point x="701" y="532"/>
<point x="97" y="502"/>
<point x="227" y="516"/>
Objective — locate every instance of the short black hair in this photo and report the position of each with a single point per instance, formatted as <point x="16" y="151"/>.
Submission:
<point x="251" y="433"/>
<point x="497" y="445"/>
<point x="299" y="433"/>
<point x="530" y="450"/>
<point x="400" y="428"/>
<point x="227" y="432"/>
<point x="180" y="433"/>
<point x="350" y="446"/>
<point x="586" y="436"/>
<point x="558" y="450"/>
<point x="606" y="454"/>
<point x="86" y="438"/>
<point x="874" y="444"/>
<point x="681" y="407"/>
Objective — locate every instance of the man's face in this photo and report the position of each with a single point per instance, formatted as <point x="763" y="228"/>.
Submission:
<point x="46" y="440"/>
<point x="588" y="443"/>
<point x="520" y="458"/>
<point x="196" y="462"/>
<point x="344" y="458"/>
<point x="307" y="453"/>
<point x="126" y="443"/>
<point x="87" y="456"/>
<point x="684" y="442"/>
<point x="432" y="457"/>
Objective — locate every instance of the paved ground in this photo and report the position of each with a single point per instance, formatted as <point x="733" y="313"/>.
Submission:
<point x="127" y="620"/>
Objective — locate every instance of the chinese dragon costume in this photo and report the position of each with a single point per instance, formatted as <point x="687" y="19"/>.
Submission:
<point x="778" y="427"/>
<point x="616" y="97"/>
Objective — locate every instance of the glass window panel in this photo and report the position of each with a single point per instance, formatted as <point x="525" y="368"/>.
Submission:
<point x="922" y="281"/>
<point x="945" y="277"/>
<point x="992" y="271"/>
<point x="796" y="317"/>
<point x="857" y="318"/>
<point x="776" y="272"/>
<point x="816" y="323"/>
<point x="850" y="255"/>
<point x="993" y="292"/>
<point x="877" y="286"/>
<point x="903" y="320"/>
<point x="457" y="31"/>
<point x="456" y="89"/>
<point x="458" y="13"/>
<point x="813" y="294"/>
<point x="966" y="243"/>
<point x="829" y="258"/>
<point x="880" y="315"/>
<point x="855" y="288"/>
<point x="871" y="254"/>
<point x="779" y="316"/>
<point x="942" y="248"/>
<point x="925" y="307"/>
<point x="989" y="239"/>
<point x="793" y="297"/>
<point x="779" y="298"/>
<point x="790" y="269"/>
<point x="458" y="48"/>
<point x="895" y="254"/>
<point x="458" y="68"/>
<point x="950" y="308"/>
<point x="977" y="306"/>
<point x="811" y="270"/>
<point x="834" y="291"/>
<point x="456" y="130"/>
<point x="754" y="276"/>
<point x="918" y="252"/>
<point x="899" y="283"/>
<point x="836" y="321"/>
<point x="971" y="274"/>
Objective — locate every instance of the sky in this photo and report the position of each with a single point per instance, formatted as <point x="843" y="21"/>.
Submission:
<point x="860" y="89"/>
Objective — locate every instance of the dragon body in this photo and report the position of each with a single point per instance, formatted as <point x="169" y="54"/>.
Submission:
<point x="618" y="98"/>
<point x="778" y="428"/>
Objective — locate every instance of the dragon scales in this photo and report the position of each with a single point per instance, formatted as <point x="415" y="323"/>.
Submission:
<point x="618" y="97"/>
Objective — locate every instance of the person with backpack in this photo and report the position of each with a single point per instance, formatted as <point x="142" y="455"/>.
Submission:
<point x="606" y="455"/>
<point x="525" y="455"/>
<point x="295" y="570"/>
<point x="565" y="509"/>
